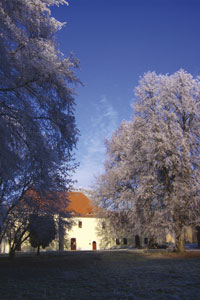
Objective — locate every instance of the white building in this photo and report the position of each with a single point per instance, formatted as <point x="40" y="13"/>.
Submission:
<point x="86" y="232"/>
<point x="89" y="231"/>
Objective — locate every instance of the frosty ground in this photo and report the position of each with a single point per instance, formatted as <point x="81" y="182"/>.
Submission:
<point x="126" y="274"/>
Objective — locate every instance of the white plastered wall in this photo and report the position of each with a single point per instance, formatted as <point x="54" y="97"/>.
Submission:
<point x="85" y="235"/>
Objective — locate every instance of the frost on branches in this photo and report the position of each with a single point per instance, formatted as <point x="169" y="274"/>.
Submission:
<point x="37" y="124"/>
<point x="152" y="173"/>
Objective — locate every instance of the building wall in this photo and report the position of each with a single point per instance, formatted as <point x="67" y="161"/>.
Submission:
<point x="85" y="234"/>
<point x="4" y="246"/>
<point x="190" y="235"/>
<point x="95" y="230"/>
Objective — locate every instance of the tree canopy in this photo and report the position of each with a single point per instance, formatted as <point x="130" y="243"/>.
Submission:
<point x="153" y="163"/>
<point x="42" y="230"/>
<point x="37" y="123"/>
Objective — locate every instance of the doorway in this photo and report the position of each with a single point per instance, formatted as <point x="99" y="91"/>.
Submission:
<point x="137" y="241"/>
<point x="94" y="246"/>
<point x="73" y="244"/>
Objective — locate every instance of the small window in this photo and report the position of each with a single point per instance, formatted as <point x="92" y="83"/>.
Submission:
<point x="103" y="225"/>
<point x="125" y="241"/>
<point x="117" y="242"/>
<point x="79" y="224"/>
<point x="145" y="240"/>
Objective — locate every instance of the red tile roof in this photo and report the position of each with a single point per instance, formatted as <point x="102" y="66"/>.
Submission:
<point x="75" y="202"/>
<point x="80" y="204"/>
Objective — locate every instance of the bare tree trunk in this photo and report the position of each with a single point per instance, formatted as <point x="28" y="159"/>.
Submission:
<point x="180" y="241"/>
<point x="12" y="253"/>
<point x="38" y="250"/>
<point x="61" y="233"/>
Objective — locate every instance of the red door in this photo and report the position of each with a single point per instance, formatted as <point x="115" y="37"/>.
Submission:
<point x="94" y="246"/>
<point x="73" y="244"/>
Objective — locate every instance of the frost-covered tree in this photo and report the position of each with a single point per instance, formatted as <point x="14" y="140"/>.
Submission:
<point x="37" y="124"/>
<point x="153" y="168"/>
<point x="114" y="189"/>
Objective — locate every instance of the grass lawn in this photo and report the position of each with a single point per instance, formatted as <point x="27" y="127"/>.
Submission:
<point x="125" y="274"/>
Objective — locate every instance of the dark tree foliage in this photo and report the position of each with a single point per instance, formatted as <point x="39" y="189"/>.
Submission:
<point x="42" y="229"/>
<point x="37" y="123"/>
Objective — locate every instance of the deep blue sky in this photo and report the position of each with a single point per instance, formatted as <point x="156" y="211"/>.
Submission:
<point x="117" y="41"/>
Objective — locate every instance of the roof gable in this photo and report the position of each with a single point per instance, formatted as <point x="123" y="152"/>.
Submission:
<point x="79" y="204"/>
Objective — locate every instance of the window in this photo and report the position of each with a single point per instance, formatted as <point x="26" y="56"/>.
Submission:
<point x="145" y="240"/>
<point x="103" y="225"/>
<point x="117" y="242"/>
<point x="79" y="224"/>
<point x="125" y="241"/>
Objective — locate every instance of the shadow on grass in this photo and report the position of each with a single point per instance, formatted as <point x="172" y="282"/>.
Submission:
<point x="101" y="275"/>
